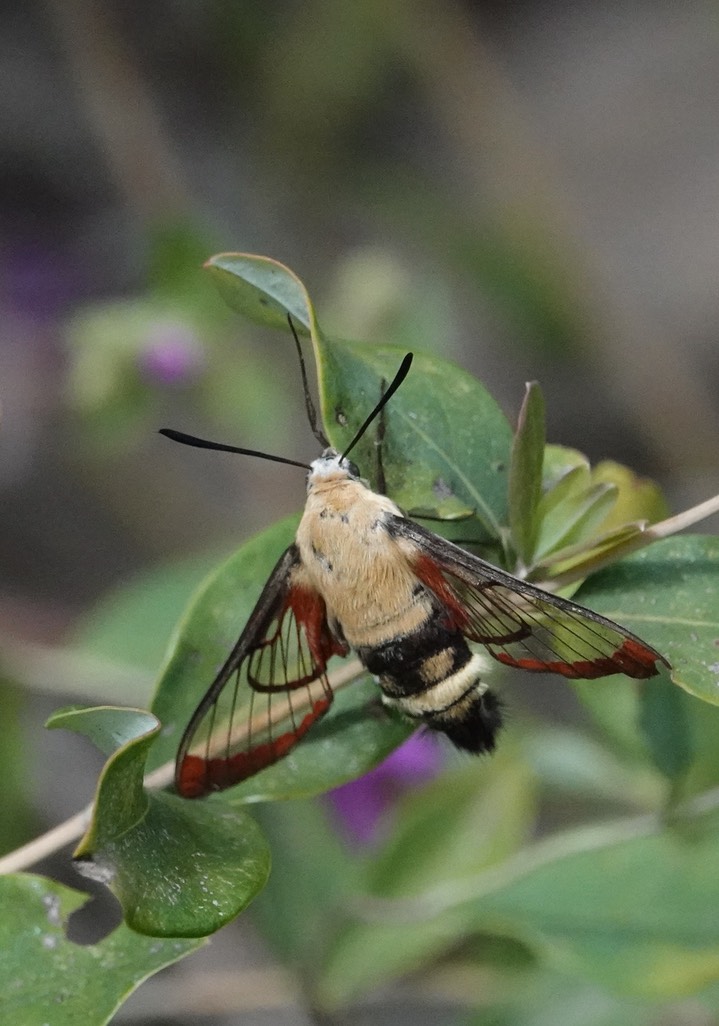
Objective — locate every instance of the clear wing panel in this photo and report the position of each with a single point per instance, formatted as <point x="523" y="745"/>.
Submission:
<point x="268" y="694"/>
<point x="520" y="624"/>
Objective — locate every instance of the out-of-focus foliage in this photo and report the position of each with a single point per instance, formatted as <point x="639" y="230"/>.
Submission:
<point x="526" y="194"/>
<point x="454" y="868"/>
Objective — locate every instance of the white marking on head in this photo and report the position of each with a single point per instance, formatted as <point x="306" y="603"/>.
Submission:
<point x="332" y="464"/>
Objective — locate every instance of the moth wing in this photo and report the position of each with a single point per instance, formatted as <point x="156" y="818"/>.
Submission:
<point x="522" y="625"/>
<point x="270" y="691"/>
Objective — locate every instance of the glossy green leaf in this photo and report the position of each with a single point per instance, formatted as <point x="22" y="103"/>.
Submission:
<point x="525" y="474"/>
<point x="185" y="869"/>
<point x="669" y="595"/>
<point x="178" y="868"/>
<point x="108" y="727"/>
<point x="126" y="735"/>
<point x="45" y="978"/>
<point x="446" y="439"/>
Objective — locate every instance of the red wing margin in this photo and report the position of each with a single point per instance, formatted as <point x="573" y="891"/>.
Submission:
<point x="520" y="624"/>
<point x="271" y="690"/>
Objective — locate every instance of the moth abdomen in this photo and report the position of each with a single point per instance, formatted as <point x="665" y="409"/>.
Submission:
<point x="409" y="664"/>
<point x="432" y="676"/>
<point x="473" y="723"/>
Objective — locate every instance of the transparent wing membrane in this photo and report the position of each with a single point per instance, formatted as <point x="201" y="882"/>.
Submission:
<point x="521" y="625"/>
<point x="269" y="692"/>
<point x="245" y="731"/>
<point x="547" y="635"/>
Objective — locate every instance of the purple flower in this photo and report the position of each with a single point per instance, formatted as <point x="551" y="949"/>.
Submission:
<point x="171" y="354"/>
<point x="361" y="805"/>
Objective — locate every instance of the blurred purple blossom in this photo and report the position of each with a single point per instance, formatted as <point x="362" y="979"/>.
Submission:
<point x="362" y="804"/>
<point x="39" y="283"/>
<point x="171" y="354"/>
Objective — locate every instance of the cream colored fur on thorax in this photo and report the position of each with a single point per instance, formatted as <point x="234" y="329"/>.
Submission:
<point x="350" y="558"/>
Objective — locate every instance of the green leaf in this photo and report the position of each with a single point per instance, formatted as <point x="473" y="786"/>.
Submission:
<point x="126" y="736"/>
<point x="581" y="516"/>
<point x="665" y="724"/>
<point x="583" y="557"/>
<point x="430" y="450"/>
<point x="573" y="765"/>
<point x="178" y="868"/>
<point x="556" y="504"/>
<point x="261" y="289"/>
<point x="577" y="502"/>
<point x="669" y="595"/>
<point x="525" y="475"/>
<point x="131" y="624"/>
<point x="542" y="997"/>
<point x="108" y="727"/>
<point x="45" y="978"/>
<point x="638" y="498"/>
<point x="634" y="913"/>
<point x="430" y="454"/>
<point x="487" y="808"/>
<point x="313" y="878"/>
<point x="559" y="460"/>
<point x="445" y="833"/>
<point x="185" y="870"/>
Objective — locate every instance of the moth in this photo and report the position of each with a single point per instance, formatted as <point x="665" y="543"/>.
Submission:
<point x="361" y="576"/>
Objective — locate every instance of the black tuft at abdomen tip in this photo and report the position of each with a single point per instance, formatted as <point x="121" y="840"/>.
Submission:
<point x="475" y="728"/>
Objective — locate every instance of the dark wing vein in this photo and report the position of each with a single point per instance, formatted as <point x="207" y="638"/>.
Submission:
<point x="520" y="624"/>
<point x="282" y="654"/>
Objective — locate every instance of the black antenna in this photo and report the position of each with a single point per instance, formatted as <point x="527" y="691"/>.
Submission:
<point x="202" y="443"/>
<point x="309" y="405"/>
<point x="396" y="382"/>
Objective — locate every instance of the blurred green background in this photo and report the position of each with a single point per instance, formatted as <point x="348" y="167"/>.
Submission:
<point x="529" y="189"/>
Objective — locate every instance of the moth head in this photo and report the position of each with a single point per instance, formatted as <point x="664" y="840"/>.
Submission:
<point x="332" y="465"/>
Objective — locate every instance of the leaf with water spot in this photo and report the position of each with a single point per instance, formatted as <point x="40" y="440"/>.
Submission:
<point x="46" y="978"/>
<point x="178" y="868"/>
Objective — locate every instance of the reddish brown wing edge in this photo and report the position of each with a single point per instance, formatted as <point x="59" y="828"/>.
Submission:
<point x="463" y="584"/>
<point x="284" y="595"/>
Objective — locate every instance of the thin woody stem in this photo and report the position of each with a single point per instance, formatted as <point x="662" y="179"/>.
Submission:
<point x="645" y="536"/>
<point x="73" y="829"/>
